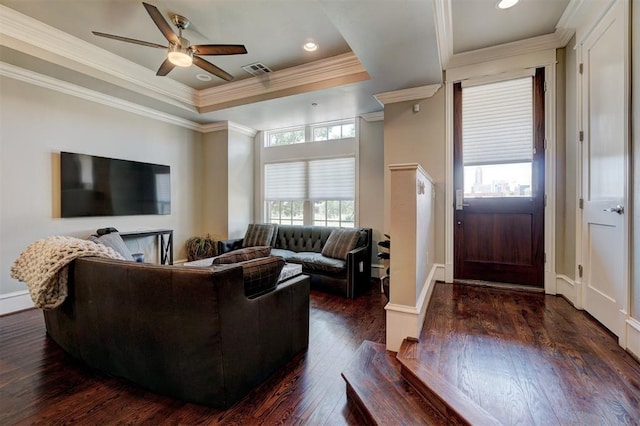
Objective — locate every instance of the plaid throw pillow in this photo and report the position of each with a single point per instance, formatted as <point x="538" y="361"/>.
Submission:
<point x="340" y="242"/>
<point x="259" y="234"/>
<point x="242" y="255"/>
<point x="261" y="275"/>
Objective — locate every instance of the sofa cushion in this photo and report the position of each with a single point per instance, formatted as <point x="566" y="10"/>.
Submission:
<point x="115" y="241"/>
<point x="242" y="255"/>
<point x="261" y="275"/>
<point x="340" y="242"/>
<point x="259" y="234"/>
<point x="286" y="254"/>
<point x="317" y="263"/>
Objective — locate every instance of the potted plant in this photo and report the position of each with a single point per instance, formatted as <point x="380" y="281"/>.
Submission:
<point x="200" y="248"/>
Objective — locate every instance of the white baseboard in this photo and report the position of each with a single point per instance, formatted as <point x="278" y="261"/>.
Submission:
<point x="567" y="287"/>
<point x="14" y="302"/>
<point x="633" y="336"/>
<point x="440" y="273"/>
<point x="407" y="321"/>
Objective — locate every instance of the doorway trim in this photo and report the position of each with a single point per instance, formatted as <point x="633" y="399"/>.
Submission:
<point x="547" y="59"/>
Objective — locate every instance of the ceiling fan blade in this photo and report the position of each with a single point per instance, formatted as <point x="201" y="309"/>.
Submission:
<point x="219" y="49"/>
<point x="129" y="40"/>
<point x="209" y="67"/>
<point x="161" y="23"/>
<point x="165" y="68"/>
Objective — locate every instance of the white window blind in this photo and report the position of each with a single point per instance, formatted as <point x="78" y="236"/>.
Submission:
<point x="497" y="122"/>
<point x="285" y="181"/>
<point x="332" y="179"/>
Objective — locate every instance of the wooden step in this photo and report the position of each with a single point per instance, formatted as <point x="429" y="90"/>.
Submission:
<point x="446" y="398"/>
<point x="377" y="392"/>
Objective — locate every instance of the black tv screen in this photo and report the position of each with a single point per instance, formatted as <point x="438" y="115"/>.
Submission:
<point x="99" y="186"/>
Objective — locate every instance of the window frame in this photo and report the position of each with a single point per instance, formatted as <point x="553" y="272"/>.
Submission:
<point x="308" y="151"/>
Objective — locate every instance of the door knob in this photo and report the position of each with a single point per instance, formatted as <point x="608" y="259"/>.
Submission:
<point x="617" y="209"/>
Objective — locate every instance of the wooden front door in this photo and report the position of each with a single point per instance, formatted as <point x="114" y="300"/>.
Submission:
<point x="499" y="186"/>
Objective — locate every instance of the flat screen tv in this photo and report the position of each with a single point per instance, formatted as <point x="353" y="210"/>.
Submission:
<point x="99" y="186"/>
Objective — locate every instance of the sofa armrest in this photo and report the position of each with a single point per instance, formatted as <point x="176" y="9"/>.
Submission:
<point x="358" y="270"/>
<point x="225" y="246"/>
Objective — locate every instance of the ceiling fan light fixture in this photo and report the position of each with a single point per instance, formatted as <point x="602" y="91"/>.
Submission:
<point x="506" y="4"/>
<point x="179" y="56"/>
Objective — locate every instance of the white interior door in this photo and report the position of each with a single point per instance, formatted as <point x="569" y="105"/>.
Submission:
<point x="605" y="174"/>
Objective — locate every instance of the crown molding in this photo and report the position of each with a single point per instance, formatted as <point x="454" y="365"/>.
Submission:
<point x="412" y="94"/>
<point x="337" y="69"/>
<point x="29" y="35"/>
<point x="373" y="116"/>
<point x="569" y="16"/>
<point x="582" y="15"/>
<point x="555" y="40"/>
<point x="31" y="77"/>
<point x="244" y="130"/>
<point x="228" y="125"/>
<point x="444" y="30"/>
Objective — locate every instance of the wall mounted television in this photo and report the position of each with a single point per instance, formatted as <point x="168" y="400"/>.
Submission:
<point x="99" y="186"/>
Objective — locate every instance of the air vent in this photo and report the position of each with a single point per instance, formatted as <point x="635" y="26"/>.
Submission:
<point x="256" y="69"/>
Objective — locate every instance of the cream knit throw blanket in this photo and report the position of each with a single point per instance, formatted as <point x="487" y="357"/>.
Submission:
<point x="42" y="266"/>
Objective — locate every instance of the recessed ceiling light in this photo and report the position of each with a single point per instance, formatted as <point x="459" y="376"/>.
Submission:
<point x="310" y="46"/>
<point x="203" y="77"/>
<point x="506" y="4"/>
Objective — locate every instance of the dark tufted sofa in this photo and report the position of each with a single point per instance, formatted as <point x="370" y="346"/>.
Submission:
<point x="185" y="332"/>
<point x="303" y="244"/>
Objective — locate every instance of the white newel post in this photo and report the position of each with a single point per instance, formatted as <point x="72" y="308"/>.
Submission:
<point x="412" y="267"/>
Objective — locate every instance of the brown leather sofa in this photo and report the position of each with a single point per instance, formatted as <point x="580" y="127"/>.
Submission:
<point x="185" y="332"/>
<point x="303" y="244"/>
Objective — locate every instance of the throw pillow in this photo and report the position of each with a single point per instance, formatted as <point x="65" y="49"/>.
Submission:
<point x="259" y="234"/>
<point x="340" y="242"/>
<point x="261" y="275"/>
<point x="242" y="255"/>
<point x="115" y="241"/>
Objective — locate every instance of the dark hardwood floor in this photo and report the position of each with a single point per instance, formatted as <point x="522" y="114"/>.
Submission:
<point x="528" y="358"/>
<point x="525" y="358"/>
<point x="39" y="384"/>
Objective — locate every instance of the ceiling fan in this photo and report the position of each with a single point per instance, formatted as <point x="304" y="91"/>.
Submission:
<point x="180" y="52"/>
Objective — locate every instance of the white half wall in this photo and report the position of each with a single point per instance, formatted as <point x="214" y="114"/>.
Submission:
<point x="413" y="269"/>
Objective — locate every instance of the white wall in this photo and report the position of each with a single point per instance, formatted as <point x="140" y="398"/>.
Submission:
<point x="371" y="182"/>
<point x="37" y="123"/>
<point x="240" y="183"/>
<point x="214" y="184"/>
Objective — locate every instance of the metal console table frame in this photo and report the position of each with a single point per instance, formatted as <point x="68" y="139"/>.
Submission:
<point x="164" y="239"/>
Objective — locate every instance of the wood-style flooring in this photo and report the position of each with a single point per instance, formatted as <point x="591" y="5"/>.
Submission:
<point x="39" y="384"/>
<point x="525" y="358"/>
<point x="529" y="359"/>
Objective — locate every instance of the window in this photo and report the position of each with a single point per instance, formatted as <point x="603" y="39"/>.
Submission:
<point x="334" y="131"/>
<point x="314" y="133"/>
<point x="285" y="137"/>
<point x="334" y="213"/>
<point x="497" y="129"/>
<point x="320" y="192"/>
<point x="286" y="212"/>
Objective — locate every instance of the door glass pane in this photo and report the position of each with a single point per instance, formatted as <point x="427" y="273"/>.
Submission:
<point x="497" y="138"/>
<point x="498" y="180"/>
